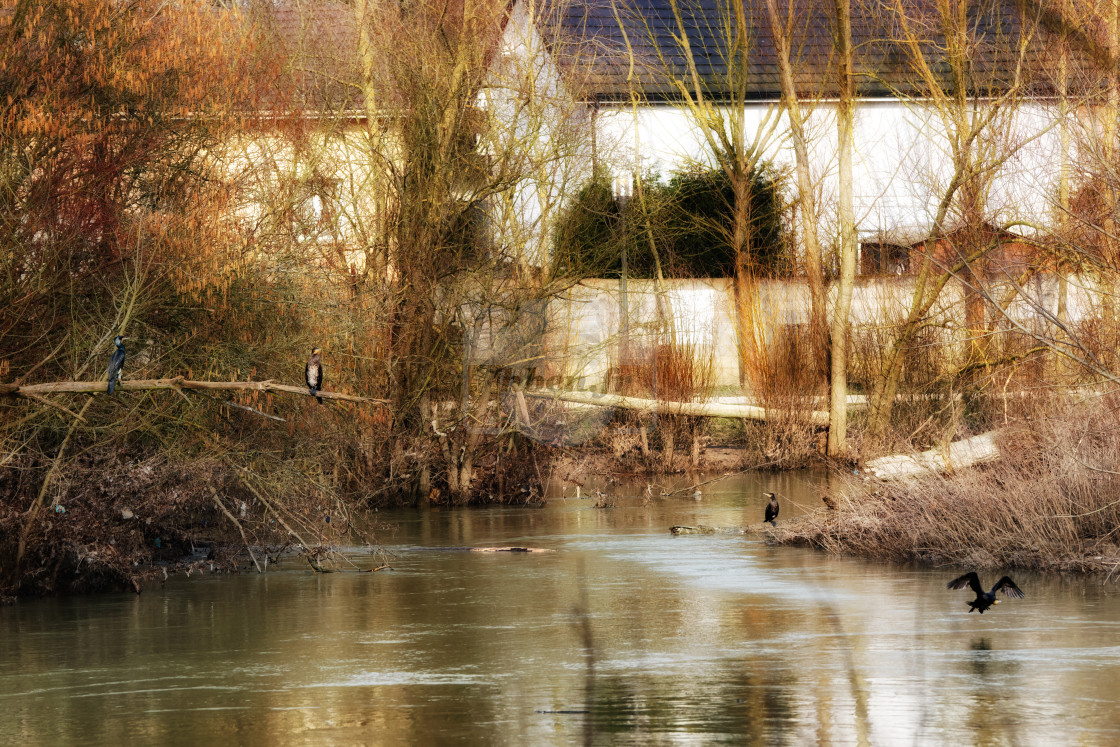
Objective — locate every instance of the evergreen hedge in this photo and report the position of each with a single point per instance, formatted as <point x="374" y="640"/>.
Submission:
<point x="691" y="220"/>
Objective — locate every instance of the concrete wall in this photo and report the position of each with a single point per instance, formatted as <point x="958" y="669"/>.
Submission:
<point x="584" y="326"/>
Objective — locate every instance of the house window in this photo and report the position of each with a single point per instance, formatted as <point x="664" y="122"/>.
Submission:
<point x="880" y="258"/>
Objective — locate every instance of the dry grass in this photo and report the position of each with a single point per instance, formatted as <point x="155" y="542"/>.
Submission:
<point x="669" y="373"/>
<point x="1051" y="502"/>
<point x="780" y="373"/>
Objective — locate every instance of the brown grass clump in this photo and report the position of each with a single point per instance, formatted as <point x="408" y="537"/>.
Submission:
<point x="782" y="375"/>
<point x="684" y="374"/>
<point x="1051" y="502"/>
<point x="669" y="373"/>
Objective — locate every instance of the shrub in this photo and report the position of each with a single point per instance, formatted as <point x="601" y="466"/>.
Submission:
<point x="690" y="217"/>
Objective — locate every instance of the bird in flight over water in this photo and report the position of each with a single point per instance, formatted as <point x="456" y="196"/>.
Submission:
<point x="985" y="599"/>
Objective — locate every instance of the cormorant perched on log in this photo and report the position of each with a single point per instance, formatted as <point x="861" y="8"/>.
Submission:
<point x="116" y="363"/>
<point x="313" y="374"/>
<point x="772" y="509"/>
<point x="985" y="599"/>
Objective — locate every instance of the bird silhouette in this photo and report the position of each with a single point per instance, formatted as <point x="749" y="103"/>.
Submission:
<point x="313" y="374"/>
<point x="772" y="509"/>
<point x="985" y="599"/>
<point x="116" y="363"/>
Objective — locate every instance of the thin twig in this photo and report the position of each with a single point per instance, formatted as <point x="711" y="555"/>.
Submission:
<point x="236" y="523"/>
<point x="55" y="405"/>
<point x="231" y="403"/>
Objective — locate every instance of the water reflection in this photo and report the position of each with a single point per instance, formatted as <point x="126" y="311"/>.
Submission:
<point x="623" y="635"/>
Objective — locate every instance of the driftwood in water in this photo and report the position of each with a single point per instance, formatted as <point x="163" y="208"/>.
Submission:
<point x="36" y="391"/>
<point x="467" y="548"/>
<point x="316" y="567"/>
<point x="320" y="569"/>
<point x="960" y="454"/>
<point x="701" y="409"/>
<point x="702" y="529"/>
<point x="509" y="549"/>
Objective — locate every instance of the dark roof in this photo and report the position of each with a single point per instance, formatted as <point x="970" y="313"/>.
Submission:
<point x="883" y="67"/>
<point x="315" y="43"/>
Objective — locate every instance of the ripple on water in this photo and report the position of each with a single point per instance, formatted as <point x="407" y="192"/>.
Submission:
<point x="730" y="564"/>
<point x="407" y="677"/>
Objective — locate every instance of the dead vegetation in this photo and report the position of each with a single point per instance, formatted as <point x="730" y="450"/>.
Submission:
<point x="1051" y="502"/>
<point x="669" y="373"/>
<point x="782" y="371"/>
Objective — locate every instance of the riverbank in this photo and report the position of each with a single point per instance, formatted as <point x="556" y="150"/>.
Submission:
<point x="1050" y="503"/>
<point x="125" y="522"/>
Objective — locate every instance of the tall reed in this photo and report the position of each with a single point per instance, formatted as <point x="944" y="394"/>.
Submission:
<point x="779" y="371"/>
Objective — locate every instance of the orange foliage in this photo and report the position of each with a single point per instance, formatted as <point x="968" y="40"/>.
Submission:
<point x="106" y="111"/>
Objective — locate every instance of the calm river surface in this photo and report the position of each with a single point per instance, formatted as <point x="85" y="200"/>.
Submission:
<point x="623" y="635"/>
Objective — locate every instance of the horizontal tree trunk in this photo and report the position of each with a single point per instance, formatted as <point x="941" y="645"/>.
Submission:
<point x="702" y="409"/>
<point x="961" y="454"/>
<point x="35" y="391"/>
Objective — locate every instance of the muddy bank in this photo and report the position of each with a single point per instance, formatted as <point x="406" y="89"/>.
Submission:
<point x="120" y="522"/>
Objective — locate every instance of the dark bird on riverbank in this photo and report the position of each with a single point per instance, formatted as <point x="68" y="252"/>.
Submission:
<point x="116" y="363"/>
<point x="772" y="509"/>
<point x="985" y="599"/>
<point x="313" y="374"/>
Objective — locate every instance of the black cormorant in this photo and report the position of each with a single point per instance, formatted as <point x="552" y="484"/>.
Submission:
<point x="116" y="363"/>
<point x="313" y="374"/>
<point x="985" y="599"/>
<point x="772" y="509"/>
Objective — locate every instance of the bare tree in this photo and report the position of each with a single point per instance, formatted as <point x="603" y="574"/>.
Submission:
<point x="452" y="144"/>
<point x="970" y="82"/>
<point x="845" y="124"/>
<point x="781" y="28"/>
<point x="717" y="105"/>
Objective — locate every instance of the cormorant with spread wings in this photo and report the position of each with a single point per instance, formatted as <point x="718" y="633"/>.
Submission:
<point x="985" y="599"/>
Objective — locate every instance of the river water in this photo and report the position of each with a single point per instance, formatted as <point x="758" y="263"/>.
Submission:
<point x="624" y="634"/>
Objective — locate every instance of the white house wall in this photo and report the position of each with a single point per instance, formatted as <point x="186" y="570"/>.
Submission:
<point x="264" y="165"/>
<point x="902" y="159"/>
<point x="539" y="127"/>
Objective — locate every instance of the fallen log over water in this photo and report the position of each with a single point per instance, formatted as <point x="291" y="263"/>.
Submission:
<point x="960" y="454"/>
<point x="36" y="391"/>
<point x="701" y="409"/>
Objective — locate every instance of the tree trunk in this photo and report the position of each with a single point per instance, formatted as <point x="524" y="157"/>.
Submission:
<point x="668" y="445"/>
<point x="1112" y="114"/>
<point x="1063" y="173"/>
<point x="744" y="272"/>
<point x="845" y="123"/>
<point x="805" y="204"/>
<point x="695" y="429"/>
